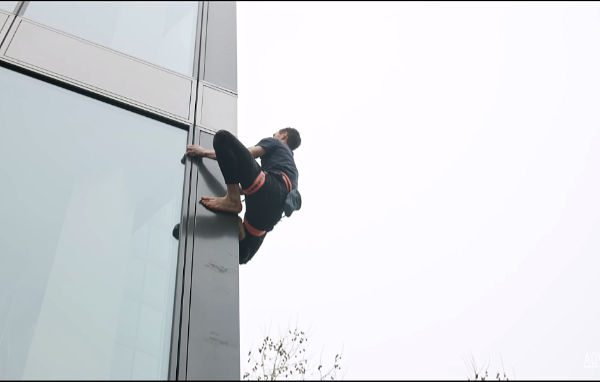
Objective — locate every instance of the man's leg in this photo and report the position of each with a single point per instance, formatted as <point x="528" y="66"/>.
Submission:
<point x="249" y="246"/>
<point x="237" y="166"/>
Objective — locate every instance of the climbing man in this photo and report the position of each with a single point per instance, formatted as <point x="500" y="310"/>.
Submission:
<point x="270" y="189"/>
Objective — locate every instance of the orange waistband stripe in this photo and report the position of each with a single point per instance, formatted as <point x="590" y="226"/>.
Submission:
<point x="288" y="182"/>
<point x="258" y="183"/>
<point x="253" y="231"/>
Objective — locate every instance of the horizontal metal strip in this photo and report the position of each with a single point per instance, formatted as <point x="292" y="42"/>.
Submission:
<point x="220" y="88"/>
<point x="97" y="67"/>
<point x="177" y="122"/>
<point x="219" y="110"/>
<point x="206" y="129"/>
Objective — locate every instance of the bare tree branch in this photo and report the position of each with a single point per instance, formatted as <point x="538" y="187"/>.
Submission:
<point x="477" y="372"/>
<point x="286" y="358"/>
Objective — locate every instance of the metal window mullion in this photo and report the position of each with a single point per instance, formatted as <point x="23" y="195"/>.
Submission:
<point x="181" y="262"/>
<point x="198" y="37"/>
<point x="181" y="372"/>
<point x="203" y="37"/>
<point x="21" y="7"/>
<point x="200" y="66"/>
<point x="187" y="279"/>
<point x="199" y="60"/>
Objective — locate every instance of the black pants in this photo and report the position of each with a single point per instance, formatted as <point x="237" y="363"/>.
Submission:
<point x="237" y="164"/>
<point x="249" y="246"/>
<point x="264" y="208"/>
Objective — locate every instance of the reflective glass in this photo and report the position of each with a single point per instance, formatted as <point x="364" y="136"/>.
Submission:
<point x="90" y="195"/>
<point x="8" y="6"/>
<point x="160" y="32"/>
<point x="221" y="45"/>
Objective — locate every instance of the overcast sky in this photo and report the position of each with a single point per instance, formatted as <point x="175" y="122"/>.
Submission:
<point x="450" y="177"/>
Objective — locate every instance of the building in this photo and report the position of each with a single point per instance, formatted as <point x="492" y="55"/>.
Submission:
<point x="98" y="101"/>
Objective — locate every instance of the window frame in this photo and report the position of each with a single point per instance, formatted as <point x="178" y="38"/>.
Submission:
<point x="188" y="247"/>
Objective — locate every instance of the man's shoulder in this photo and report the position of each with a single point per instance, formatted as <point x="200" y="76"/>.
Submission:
<point x="268" y="142"/>
<point x="271" y="143"/>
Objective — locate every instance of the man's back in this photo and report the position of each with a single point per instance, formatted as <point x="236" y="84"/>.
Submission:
<point x="279" y="157"/>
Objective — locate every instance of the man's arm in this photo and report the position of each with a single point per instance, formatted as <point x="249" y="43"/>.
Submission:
<point x="256" y="151"/>
<point x="200" y="152"/>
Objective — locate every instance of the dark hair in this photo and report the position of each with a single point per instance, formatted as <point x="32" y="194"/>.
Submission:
<point x="293" y="138"/>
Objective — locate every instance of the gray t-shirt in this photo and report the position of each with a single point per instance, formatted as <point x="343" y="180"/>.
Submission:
<point x="279" y="157"/>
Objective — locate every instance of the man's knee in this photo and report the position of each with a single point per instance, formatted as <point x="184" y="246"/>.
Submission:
<point x="221" y="138"/>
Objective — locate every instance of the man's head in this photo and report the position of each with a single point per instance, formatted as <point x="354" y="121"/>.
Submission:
<point x="289" y="136"/>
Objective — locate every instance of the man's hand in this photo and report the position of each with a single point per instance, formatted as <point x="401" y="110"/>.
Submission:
<point x="195" y="150"/>
<point x="200" y="152"/>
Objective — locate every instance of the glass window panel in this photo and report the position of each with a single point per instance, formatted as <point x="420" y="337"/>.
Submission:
<point x="219" y="110"/>
<point x="8" y="6"/>
<point x="160" y="32"/>
<point x="221" y="45"/>
<point x="90" y="196"/>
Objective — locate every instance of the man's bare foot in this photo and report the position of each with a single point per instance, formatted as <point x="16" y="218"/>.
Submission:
<point x="222" y="204"/>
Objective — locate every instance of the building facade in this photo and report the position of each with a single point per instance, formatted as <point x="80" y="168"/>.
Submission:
<point x="98" y="101"/>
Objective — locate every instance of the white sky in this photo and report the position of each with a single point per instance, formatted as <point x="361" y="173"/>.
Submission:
<point x="450" y="173"/>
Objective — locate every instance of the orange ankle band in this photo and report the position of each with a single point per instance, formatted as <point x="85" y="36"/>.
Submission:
<point x="253" y="231"/>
